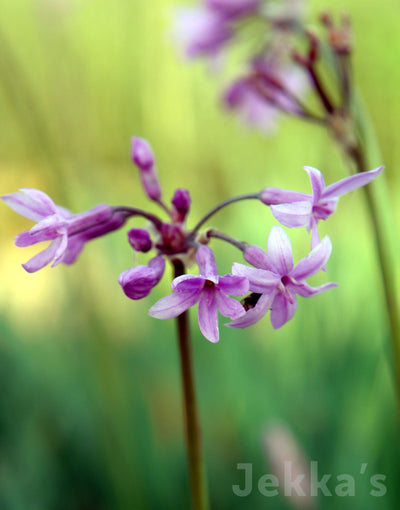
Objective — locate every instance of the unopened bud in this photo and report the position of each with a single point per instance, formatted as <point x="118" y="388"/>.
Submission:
<point x="138" y="281"/>
<point x="142" y="155"/>
<point x="181" y="202"/>
<point x="140" y="240"/>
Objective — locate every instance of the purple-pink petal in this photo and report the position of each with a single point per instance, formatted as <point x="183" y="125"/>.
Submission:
<point x="280" y="250"/>
<point x="27" y="239"/>
<point x="351" y="183"/>
<point x="43" y="258"/>
<point x="305" y="290"/>
<point x="314" y="261"/>
<point x="206" y="261"/>
<point x="188" y="283"/>
<point x="257" y="257"/>
<point x="282" y="310"/>
<point x="98" y="215"/>
<point x="314" y="233"/>
<point x="260" y="280"/>
<point x="254" y="314"/>
<point x="30" y="203"/>
<point x="235" y="285"/>
<point x="293" y="215"/>
<point x="208" y="315"/>
<point x="228" y="306"/>
<point x="317" y="182"/>
<point x="61" y="249"/>
<point x="174" y="304"/>
<point x="275" y="196"/>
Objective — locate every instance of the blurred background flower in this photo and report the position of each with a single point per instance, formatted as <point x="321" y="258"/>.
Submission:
<point x="90" y="410"/>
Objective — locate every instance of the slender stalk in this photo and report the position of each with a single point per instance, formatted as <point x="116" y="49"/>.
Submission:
<point x="213" y="232"/>
<point x="133" y="211"/>
<point x="387" y="271"/>
<point x="191" y="416"/>
<point x="221" y="205"/>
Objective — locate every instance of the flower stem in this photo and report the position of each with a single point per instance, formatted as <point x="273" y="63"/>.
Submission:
<point x="191" y="416"/>
<point x="221" y="205"/>
<point x="386" y="268"/>
<point x="134" y="211"/>
<point x="213" y="232"/>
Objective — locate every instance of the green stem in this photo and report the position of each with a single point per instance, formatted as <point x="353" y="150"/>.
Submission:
<point x="191" y="416"/>
<point x="386" y="267"/>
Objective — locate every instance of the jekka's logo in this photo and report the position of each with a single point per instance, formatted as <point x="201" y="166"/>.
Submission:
<point x="312" y="484"/>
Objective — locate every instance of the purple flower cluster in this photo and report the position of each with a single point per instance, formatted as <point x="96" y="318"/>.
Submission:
<point x="206" y="28"/>
<point x="271" y="282"/>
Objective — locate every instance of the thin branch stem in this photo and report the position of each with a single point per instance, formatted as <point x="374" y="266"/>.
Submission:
<point x="212" y="232"/>
<point x="319" y="88"/>
<point x="133" y="211"/>
<point x="192" y="423"/>
<point x="220" y="206"/>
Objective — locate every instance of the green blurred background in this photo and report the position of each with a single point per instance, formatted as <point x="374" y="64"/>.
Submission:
<point x="90" y="409"/>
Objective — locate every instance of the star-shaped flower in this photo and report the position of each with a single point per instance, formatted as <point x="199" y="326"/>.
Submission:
<point x="209" y="290"/>
<point x="67" y="232"/>
<point x="276" y="279"/>
<point x="294" y="209"/>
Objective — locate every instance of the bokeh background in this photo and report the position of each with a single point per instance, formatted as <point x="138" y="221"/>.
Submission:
<point x="90" y="408"/>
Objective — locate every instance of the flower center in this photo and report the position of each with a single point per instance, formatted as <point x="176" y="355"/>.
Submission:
<point x="209" y="284"/>
<point x="285" y="280"/>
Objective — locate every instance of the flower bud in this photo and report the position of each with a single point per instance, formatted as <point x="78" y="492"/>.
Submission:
<point x="138" y="281"/>
<point x="140" y="239"/>
<point x="142" y="155"/>
<point x="181" y="202"/>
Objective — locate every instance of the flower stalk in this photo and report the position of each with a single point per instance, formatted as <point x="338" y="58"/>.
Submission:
<point x="196" y="468"/>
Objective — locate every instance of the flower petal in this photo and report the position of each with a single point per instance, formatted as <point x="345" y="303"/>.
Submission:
<point x="75" y="246"/>
<point x="208" y="315"/>
<point x="31" y="203"/>
<point x="282" y="310"/>
<point x="206" y="261"/>
<point x="43" y="258"/>
<point x="260" y="280"/>
<point x="317" y="182"/>
<point x="297" y="214"/>
<point x="275" y="196"/>
<point x="314" y="233"/>
<point x="350" y="183"/>
<point x="61" y="249"/>
<point x="228" y="306"/>
<point x="254" y="314"/>
<point x="174" y="304"/>
<point x="314" y="261"/>
<point x="305" y="290"/>
<point x="27" y="239"/>
<point x="280" y="250"/>
<point x="257" y="257"/>
<point x="235" y="285"/>
<point x="188" y="283"/>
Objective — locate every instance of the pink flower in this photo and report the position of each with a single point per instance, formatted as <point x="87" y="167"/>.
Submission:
<point x="276" y="279"/>
<point x="67" y="232"/>
<point x="294" y="209"/>
<point x="209" y="290"/>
